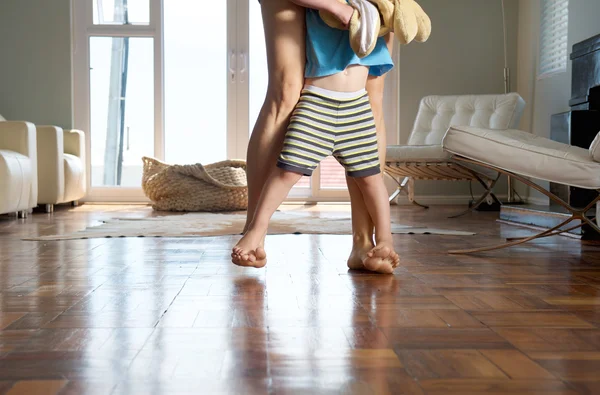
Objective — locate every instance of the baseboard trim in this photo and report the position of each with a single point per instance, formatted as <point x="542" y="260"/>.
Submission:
<point x="440" y="200"/>
<point x="538" y="201"/>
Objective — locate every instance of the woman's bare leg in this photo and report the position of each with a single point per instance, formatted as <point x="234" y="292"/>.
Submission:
<point x="273" y="194"/>
<point x="284" y="27"/>
<point x="363" y="246"/>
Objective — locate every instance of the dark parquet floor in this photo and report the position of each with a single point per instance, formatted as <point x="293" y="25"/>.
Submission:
<point x="174" y="316"/>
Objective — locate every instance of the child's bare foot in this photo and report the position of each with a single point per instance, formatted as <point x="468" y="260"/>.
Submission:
<point x="381" y="258"/>
<point x="260" y="261"/>
<point x="249" y="251"/>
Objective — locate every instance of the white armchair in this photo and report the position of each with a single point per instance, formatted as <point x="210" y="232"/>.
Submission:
<point x="18" y="167"/>
<point x="423" y="158"/>
<point x="61" y="166"/>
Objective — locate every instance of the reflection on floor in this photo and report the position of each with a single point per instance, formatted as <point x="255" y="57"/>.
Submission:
<point x="173" y="316"/>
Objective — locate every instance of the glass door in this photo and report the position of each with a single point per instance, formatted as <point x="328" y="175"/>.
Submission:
<point x="154" y="78"/>
<point x="117" y="49"/>
<point x="121" y="108"/>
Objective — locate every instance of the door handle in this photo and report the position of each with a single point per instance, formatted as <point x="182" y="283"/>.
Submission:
<point x="232" y="66"/>
<point x="244" y="62"/>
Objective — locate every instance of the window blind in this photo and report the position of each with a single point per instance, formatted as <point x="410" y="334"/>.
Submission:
<point x="553" y="39"/>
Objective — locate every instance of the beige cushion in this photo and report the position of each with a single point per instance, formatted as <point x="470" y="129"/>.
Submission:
<point x="416" y="153"/>
<point x="525" y="154"/>
<point x="595" y="148"/>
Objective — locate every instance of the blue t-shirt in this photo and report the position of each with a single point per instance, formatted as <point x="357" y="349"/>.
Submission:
<point x="328" y="50"/>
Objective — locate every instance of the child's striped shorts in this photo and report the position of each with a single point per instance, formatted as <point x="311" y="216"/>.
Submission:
<point x="331" y="123"/>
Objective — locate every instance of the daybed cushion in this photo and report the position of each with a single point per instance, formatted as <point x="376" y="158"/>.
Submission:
<point x="525" y="154"/>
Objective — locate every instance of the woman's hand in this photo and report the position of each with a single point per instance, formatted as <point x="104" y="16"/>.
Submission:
<point x="341" y="10"/>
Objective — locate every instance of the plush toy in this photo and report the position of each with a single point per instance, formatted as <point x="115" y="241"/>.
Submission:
<point x="405" y="18"/>
<point x="410" y="22"/>
<point x="386" y="14"/>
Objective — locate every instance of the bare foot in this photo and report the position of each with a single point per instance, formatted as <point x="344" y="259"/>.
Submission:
<point x="380" y="259"/>
<point x="249" y="251"/>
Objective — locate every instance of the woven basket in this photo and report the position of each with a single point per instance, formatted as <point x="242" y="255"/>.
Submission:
<point x="219" y="186"/>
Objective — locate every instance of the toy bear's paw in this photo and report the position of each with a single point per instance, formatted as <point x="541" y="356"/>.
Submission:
<point x="405" y="21"/>
<point x="423" y="23"/>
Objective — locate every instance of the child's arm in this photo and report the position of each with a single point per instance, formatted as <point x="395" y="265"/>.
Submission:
<point x="341" y="11"/>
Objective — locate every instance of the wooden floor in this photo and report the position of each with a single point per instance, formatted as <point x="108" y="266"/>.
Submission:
<point x="173" y="316"/>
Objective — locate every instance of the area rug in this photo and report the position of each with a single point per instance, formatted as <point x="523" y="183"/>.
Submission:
<point x="210" y="224"/>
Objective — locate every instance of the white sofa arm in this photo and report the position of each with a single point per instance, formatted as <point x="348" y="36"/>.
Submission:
<point x="18" y="136"/>
<point x="51" y="174"/>
<point x="75" y="170"/>
<point x="74" y="141"/>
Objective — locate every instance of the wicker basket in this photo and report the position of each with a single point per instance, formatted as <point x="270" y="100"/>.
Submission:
<point x="219" y="186"/>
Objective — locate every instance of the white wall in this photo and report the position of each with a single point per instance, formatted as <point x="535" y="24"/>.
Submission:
<point x="549" y="95"/>
<point x="464" y="55"/>
<point x="35" y="66"/>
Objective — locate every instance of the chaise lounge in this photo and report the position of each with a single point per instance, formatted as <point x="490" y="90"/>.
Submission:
<point x="522" y="156"/>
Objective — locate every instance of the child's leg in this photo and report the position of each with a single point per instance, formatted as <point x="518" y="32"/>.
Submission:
<point x="276" y="189"/>
<point x="356" y="149"/>
<point x="375" y="195"/>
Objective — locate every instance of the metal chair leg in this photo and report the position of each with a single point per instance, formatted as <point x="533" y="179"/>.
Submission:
<point x="488" y="192"/>
<point x="575" y="213"/>
<point x="515" y="242"/>
<point x="395" y="194"/>
<point x="406" y="186"/>
<point x="49" y="208"/>
<point x="23" y="214"/>
<point x="75" y="203"/>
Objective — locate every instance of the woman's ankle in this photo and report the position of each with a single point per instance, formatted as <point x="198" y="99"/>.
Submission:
<point x="257" y="227"/>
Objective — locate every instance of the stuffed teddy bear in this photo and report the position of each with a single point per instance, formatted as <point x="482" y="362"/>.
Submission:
<point x="405" y="18"/>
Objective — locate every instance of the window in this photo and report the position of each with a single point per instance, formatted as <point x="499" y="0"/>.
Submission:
<point x="553" y="37"/>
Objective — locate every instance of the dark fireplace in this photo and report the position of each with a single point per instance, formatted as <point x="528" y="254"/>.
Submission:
<point x="579" y="126"/>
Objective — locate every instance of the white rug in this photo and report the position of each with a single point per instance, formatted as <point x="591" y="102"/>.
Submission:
<point x="210" y="224"/>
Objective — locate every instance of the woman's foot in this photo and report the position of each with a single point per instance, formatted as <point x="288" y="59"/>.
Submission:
<point x="249" y="251"/>
<point x="379" y="258"/>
